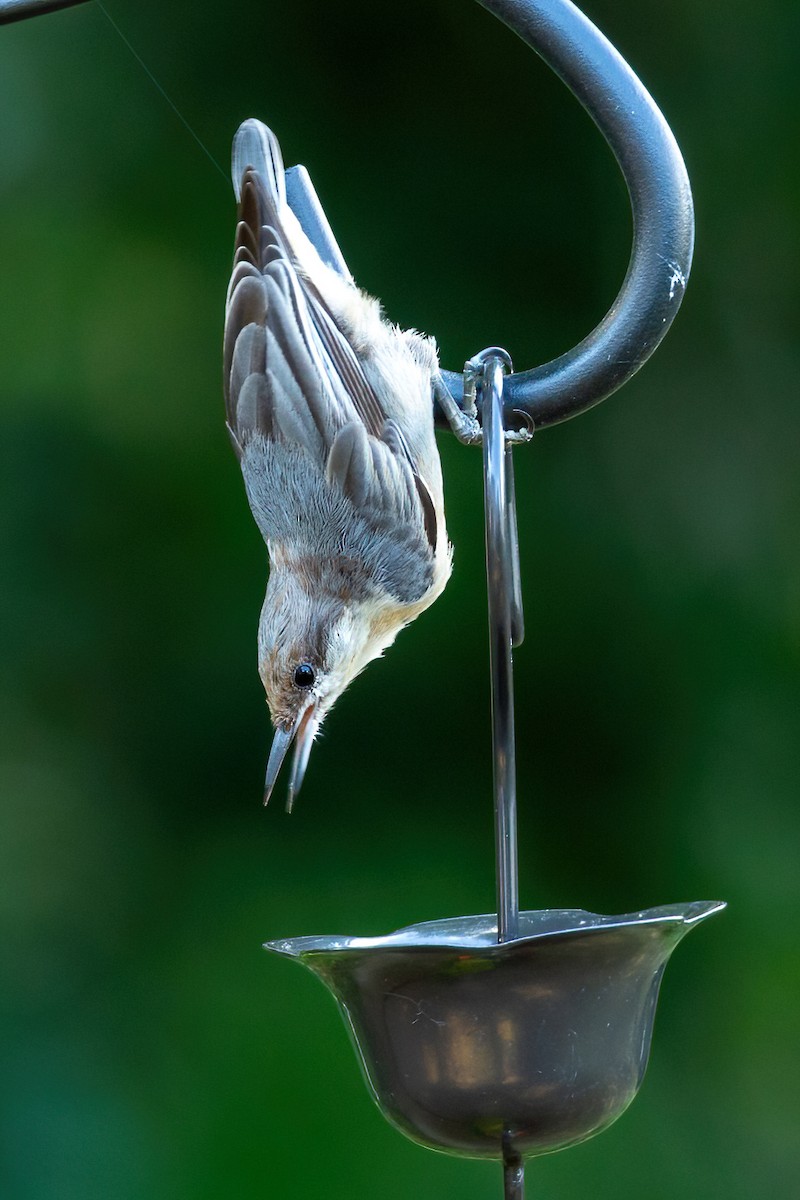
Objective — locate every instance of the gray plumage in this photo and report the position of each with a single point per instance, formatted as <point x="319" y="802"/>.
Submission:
<point x="329" y="408"/>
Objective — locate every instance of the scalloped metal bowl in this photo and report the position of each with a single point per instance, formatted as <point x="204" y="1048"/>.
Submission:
<point x="535" y="1044"/>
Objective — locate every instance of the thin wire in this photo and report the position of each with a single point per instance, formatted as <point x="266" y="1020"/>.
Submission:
<point x="152" y="77"/>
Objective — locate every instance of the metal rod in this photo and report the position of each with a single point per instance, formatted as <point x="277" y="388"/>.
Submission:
<point x="19" y="10"/>
<point x="504" y="615"/>
<point x="661" y="202"/>
<point x="513" y="1173"/>
<point x="517" y="615"/>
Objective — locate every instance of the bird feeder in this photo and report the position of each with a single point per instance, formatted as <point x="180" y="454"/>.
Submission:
<point x="519" y="1033"/>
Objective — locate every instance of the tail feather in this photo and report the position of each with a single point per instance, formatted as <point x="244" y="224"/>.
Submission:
<point x="256" y="146"/>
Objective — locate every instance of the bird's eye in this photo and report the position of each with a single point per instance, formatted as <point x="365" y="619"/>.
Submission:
<point x="304" y="675"/>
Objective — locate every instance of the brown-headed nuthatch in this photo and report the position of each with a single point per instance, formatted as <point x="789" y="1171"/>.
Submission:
<point x="330" y="409"/>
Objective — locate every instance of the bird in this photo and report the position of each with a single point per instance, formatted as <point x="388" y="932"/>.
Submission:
<point x="329" y="407"/>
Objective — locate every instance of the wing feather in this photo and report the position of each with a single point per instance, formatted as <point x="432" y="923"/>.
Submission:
<point x="290" y="372"/>
<point x="253" y="407"/>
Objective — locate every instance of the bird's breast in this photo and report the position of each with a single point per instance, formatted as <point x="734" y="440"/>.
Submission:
<point x="310" y="527"/>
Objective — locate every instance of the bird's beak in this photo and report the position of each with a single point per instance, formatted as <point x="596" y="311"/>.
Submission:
<point x="302" y="733"/>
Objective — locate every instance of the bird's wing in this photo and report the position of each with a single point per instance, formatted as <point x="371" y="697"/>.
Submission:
<point x="290" y="373"/>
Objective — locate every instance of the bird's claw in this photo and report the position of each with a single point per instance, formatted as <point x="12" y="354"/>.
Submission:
<point x="519" y="437"/>
<point x="464" y="422"/>
<point x="466" y="427"/>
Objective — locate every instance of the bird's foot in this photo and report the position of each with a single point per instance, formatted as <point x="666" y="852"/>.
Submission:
<point x="464" y="422"/>
<point x="466" y="428"/>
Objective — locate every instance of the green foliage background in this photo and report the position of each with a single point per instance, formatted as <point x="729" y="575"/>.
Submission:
<point x="149" y="1047"/>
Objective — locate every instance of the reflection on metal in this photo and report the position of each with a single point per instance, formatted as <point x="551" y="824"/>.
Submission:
<point x="499" y="1050"/>
<point x="18" y="10"/>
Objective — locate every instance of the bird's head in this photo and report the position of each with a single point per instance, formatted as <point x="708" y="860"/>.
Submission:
<point x="310" y="648"/>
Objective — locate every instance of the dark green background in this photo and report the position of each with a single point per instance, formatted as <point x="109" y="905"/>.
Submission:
<point x="149" y="1048"/>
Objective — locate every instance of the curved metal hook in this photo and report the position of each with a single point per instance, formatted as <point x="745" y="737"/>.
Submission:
<point x="663" y="215"/>
<point x="18" y="10"/>
<point x="663" y="218"/>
